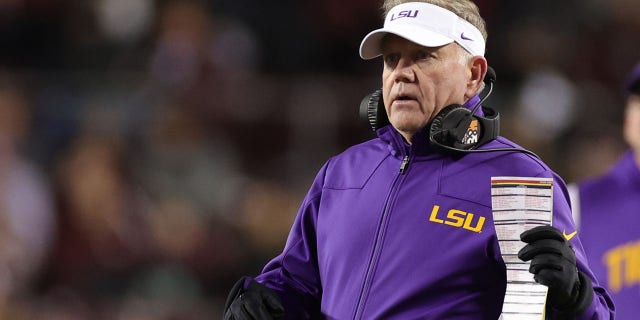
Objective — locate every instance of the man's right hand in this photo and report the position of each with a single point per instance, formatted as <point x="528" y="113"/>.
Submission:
<point x="256" y="302"/>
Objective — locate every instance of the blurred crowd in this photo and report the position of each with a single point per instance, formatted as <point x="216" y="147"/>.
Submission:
<point x="154" y="151"/>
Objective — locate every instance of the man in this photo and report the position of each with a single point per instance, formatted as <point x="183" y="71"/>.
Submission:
<point x="606" y="209"/>
<point x="363" y="245"/>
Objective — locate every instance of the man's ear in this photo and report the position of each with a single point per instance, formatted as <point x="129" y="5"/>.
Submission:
<point x="477" y="71"/>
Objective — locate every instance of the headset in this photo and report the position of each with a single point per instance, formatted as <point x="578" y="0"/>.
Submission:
<point x="455" y="130"/>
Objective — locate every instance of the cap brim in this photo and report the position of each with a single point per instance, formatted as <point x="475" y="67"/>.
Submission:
<point x="371" y="44"/>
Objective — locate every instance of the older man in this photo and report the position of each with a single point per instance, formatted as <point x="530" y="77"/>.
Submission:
<point x="401" y="226"/>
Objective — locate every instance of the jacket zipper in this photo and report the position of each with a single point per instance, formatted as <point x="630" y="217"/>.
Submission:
<point x="405" y="163"/>
<point x="377" y="246"/>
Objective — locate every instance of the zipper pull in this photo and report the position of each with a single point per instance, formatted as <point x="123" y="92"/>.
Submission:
<point x="405" y="162"/>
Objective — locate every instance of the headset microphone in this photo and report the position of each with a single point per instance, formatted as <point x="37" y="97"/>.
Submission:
<point x="471" y="124"/>
<point x="458" y="129"/>
<point x="489" y="80"/>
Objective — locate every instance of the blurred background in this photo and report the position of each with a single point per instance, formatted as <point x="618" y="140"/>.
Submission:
<point x="154" y="151"/>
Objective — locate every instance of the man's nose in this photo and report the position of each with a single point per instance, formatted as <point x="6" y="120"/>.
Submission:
<point x="404" y="71"/>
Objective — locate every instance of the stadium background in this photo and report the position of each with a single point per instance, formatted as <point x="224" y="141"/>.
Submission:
<point x="152" y="152"/>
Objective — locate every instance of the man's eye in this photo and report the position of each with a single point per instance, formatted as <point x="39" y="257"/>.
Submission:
<point x="391" y="59"/>
<point x="422" y="55"/>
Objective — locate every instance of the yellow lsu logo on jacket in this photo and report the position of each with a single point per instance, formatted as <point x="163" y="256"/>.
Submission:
<point x="457" y="218"/>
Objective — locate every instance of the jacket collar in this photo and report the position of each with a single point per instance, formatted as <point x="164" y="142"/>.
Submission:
<point x="398" y="147"/>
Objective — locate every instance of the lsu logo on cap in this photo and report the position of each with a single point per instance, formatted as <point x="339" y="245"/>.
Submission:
<point x="404" y="14"/>
<point x="472" y="134"/>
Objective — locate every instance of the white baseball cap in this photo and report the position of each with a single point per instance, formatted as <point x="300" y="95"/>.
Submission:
<point x="427" y="25"/>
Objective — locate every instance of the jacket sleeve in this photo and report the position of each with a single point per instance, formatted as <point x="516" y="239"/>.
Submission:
<point x="602" y="306"/>
<point x="294" y="273"/>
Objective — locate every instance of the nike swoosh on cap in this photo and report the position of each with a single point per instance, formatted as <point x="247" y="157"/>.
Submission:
<point x="463" y="37"/>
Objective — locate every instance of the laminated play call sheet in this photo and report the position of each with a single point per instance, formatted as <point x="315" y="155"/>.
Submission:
<point x="519" y="204"/>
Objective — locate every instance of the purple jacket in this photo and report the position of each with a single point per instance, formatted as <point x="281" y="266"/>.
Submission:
<point x="391" y="231"/>
<point x="609" y="213"/>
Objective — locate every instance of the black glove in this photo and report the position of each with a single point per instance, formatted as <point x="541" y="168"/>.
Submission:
<point x="256" y="302"/>
<point x="553" y="263"/>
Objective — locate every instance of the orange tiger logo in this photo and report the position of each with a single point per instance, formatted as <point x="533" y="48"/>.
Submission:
<point x="471" y="136"/>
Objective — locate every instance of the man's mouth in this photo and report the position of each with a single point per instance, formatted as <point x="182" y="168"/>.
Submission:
<point x="402" y="98"/>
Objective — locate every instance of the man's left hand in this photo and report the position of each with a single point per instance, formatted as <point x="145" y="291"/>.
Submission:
<point x="553" y="263"/>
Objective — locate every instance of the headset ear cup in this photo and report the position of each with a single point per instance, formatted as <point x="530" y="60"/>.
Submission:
<point x="378" y="111"/>
<point x="436" y="124"/>
<point x="372" y="109"/>
<point x="445" y="126"/>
